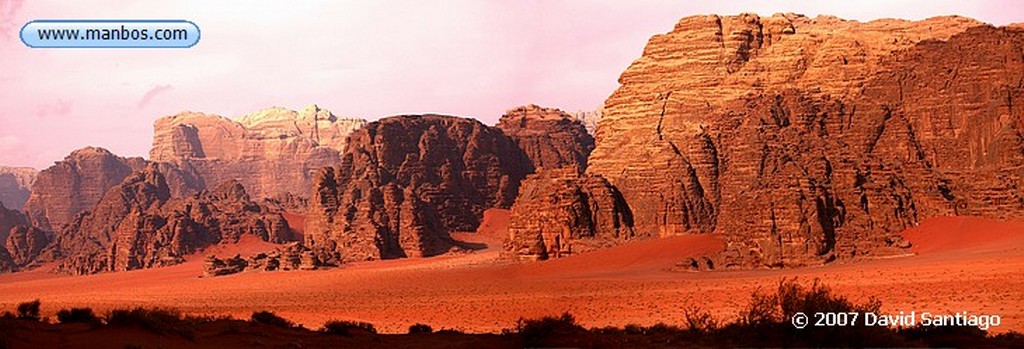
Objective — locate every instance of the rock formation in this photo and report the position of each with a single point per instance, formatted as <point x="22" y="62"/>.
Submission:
<point x="293" y="256"/>
<point x="549" y="137"/>
<point x="137" y="225"/>
<point x="559" y="212"/>
<point x="9" y="219"/>
<point x="15" y="185"/>
<point x="405" y="182"/>
<point x="805" y="140"/>
<point x="25" y="243"/>
<point x="589" y="118"/>
<point x="273" y="152"/>
<point x="76" y="184"/>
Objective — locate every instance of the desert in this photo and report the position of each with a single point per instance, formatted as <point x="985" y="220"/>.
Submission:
<point x="746" y="172"/>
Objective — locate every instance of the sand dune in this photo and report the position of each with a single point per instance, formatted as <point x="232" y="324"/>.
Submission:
<point x="481" y="292"/>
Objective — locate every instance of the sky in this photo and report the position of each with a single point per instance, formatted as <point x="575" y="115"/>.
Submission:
<point x="365" y="59"/>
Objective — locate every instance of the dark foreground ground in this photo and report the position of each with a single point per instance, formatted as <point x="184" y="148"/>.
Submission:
<point x="764" y="322"/>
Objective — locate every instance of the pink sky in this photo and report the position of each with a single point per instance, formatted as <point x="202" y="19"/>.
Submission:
<point x="357" y="58"/>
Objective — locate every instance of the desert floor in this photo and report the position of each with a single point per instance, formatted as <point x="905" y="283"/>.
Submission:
<point x="959" y="264"/>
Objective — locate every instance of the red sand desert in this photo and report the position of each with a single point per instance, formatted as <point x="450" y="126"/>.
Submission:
<point x="959" y="264"/>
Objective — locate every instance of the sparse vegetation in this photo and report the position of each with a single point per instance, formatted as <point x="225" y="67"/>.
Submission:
<point x="540" y="332"/>
<point x="765" y="321"/>
<point x="77" y="315"/>
<point x="269" y="318"/>
<point x="420" y="328"/>
<point x="348" y="328"/>
<point x="158" y="320"/>
<point x="29" y="310"/>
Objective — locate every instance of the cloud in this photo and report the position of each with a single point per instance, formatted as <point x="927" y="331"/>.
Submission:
<point x="59" y="108"/>
<point x="152" y="93"/>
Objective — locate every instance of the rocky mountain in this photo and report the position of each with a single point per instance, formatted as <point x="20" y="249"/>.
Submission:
<point x="138" y="224"/>
<point x="272" y="153"/>
<point x="550" y="137"/>
<point x="15" y="185"/>
<point x="78" y="182"/>
<point x="406" y="182"/>
<point x="806" y="140"/>
<point x="559" y="212"/>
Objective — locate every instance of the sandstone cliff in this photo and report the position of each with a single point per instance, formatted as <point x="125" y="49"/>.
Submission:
<point x="405" y="182"/>
<point x="550" y="137"/>
<point x="76" y="184"/>
<point x="15" y="185"/>
<point x="559" y="212"/>
<point x="137" y="224"/>
<point x="271" y="153"/>
<point x="805" y="140"/>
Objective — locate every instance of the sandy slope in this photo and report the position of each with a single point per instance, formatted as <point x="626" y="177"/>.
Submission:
<point x="962" y="264"/>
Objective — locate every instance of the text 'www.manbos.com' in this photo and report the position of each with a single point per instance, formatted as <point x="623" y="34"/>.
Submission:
<point x="110" y="34"/>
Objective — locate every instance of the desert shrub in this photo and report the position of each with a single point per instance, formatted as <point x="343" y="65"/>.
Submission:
<point x="29" y="310"/>
<point x="158" y="320"/>
<point x="633" y="329"/>
<point x="662" y="328"/>
<point x="698" y="320"/>
<point x="348" y="328"/>
<point x="537" y="332"/>
<point x="766" y="319"/>
<point x="77" y="315"/>
<point x="269" y="318"/>
<point x="420" y="328"/>
<point x="8" y="316"/>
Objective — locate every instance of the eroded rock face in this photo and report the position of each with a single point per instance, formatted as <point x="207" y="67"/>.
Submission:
<point x="805" y="140"/>
<point x="273" y="152"/>
<point x="405" y="182"/>
<point x="9" y="219"/>
<point x="24" y="244"/>
<point x="550" y="137"/>
<point x="15" y="186"/>
<point x="560" y="212"/>
<point x="76" y="184"/>
<point x="138" y="225"/>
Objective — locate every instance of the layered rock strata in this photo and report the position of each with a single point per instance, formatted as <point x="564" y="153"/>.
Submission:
<point x="560" y="212"/>
<point x="15" y="186"/>
<point x="406" y="182"/>
<point x="806" y="140"/>
<point x="274" y="152"/>
<point x="550" y="137"/>
<point x="138" y="225"/>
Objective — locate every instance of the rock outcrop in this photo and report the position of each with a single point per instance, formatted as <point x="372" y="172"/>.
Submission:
<point x="273" y="152"/>
<point x="15" y="186"/>
<point x="9" y="220"/>
<point x="550" y="137"/>
<point x="137" y="224"/>
<point x="560" y="212"/>
<point x="25" y="243"/>
<point x="406" y="182"/>
<point x="76" y="184"/>
<point x="807" y="140"/>
<point x="589" y="118"/>
<point x="293" y="256"/>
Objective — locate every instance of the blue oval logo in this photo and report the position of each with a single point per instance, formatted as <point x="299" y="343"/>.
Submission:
<point x="86" y="33"/>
